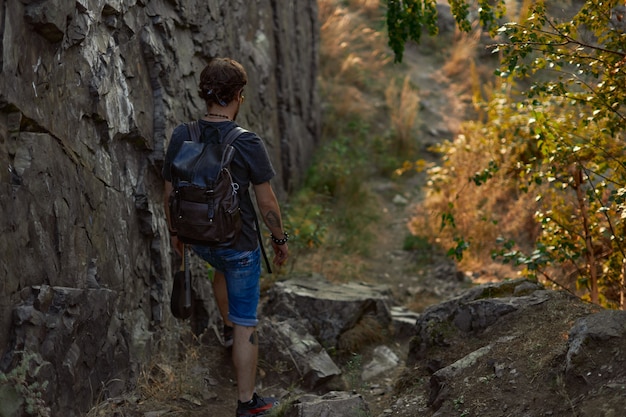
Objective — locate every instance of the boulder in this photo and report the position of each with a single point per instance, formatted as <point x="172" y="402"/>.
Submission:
<point x="403" y="321"/>
<point x="338" y="316"/>
<point x="602" y="336"/>
<point x="293" y="355"/>
<point x="383" y="360"/>
<point x="64" y="346"/>
<point x="514" y="348"/>
<point x="470" y="313"/>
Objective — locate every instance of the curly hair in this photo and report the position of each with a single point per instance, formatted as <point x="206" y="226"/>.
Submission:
<point x="221" y="80"/>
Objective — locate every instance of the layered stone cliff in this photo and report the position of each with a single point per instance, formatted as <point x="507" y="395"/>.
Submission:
<point x="89" y="92"/>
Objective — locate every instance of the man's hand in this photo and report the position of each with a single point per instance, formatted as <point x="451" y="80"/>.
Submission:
<point x="281" y="253"/>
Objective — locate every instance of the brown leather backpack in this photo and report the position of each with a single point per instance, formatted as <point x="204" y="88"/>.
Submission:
<point x="204" y="204"/>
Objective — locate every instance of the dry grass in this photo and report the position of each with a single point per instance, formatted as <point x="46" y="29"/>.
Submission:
<point x="404" y="106"/>
<point x="371" y="8"/>
<point x="353" y="56"/>
<point x="349" y="103"/>
<point x="335" y="266"/>
<point x="163" y="381"/>
<point x="352" y="53"/>
<point x="359" y="83"/>
<point x="366" y="332"/>
<point x="481" y="213"/>
<point x="462" y="55"/>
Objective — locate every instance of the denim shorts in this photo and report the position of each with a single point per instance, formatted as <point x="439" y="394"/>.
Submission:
<point x="242" y="270"/>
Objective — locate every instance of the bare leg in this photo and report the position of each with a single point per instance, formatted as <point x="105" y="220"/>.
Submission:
<point x="221" y="296"/>
<point x="245" y="356"/>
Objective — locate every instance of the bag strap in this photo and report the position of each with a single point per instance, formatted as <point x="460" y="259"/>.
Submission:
<point x="187" y="277"/>
<point x="233" y="135"/>
<point x="258" y="232"/>
<point x="194" y="130"/>
<point x="228" y="151"/>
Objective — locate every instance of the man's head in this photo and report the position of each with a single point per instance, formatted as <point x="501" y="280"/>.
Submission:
<point x="222" y="81"/>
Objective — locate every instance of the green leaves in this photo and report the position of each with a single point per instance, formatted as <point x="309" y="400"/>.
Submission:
<point x="481" y="177"/>
<point x="561" y="139"/>
<point x="457" y="251"/>
<point x="460" y="11"/>
<point x="407" y="19"/>
<point x="568" y="58"/>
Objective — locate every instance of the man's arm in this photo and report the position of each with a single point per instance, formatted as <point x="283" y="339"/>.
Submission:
<point x="270" y="213"/>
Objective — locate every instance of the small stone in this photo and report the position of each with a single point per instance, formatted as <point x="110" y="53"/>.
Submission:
<point x="191" y="399"/>
<point x="400" y="200"/>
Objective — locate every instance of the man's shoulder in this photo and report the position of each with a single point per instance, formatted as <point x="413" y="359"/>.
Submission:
<point x="182" y="130"/>
<point x="245" y="136"/>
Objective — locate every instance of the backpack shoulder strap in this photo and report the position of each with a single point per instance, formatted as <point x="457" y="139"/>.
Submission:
<point x="233" y="135"/>
<point x="194" y="130"/>
<point x="228" y="151"/>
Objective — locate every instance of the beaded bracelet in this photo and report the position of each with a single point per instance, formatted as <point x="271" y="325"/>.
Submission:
<point x="280" y="241"/>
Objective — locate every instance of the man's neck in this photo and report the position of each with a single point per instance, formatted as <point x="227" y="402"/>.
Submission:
<point x="223" y="113"/>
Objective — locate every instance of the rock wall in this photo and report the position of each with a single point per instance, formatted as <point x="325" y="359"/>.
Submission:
<point x="89" y="93"/>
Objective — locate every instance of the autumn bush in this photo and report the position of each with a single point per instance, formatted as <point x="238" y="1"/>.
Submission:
<point x="550" y="145"/>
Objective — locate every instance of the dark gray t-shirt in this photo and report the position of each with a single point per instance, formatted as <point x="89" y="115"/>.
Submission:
<point x="250" y="165"/>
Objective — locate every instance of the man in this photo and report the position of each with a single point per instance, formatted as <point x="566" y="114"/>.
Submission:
<point x="221" y="86"/>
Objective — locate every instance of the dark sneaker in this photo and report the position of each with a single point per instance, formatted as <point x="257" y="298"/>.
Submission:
<point x="258" y="406"/>
<point x="227" y="333"/>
